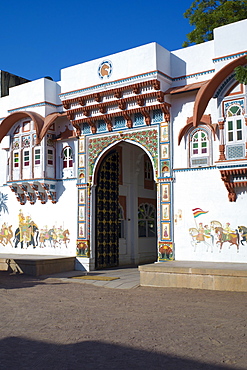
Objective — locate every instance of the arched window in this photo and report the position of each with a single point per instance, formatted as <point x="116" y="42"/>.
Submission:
<point x="67" y="157"/>
<point x="146" y="220"/>
<point x="199" y="148"/>
<point x="235" y="135"/>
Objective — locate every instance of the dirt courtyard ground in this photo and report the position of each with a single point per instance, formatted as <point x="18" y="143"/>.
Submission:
<point x="51" y="324"/>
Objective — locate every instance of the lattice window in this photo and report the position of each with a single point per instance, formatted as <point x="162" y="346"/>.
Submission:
<point x="86" y="128"/>
<point x="101" y="125"/>
<point x="235" y="151"/>
<point x="157" y="116"/>
<point x="138" y="119"/>
<point x="119" y="122"/>
<point x="146" y="220"/>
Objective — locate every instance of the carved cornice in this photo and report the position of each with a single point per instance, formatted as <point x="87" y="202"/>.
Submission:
<point x="116" y="92"/>
<point x="126" y="113"/>
<point x="121" y="103"/>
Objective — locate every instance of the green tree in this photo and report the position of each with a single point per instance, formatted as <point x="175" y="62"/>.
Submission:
<point x="205" y="15"/>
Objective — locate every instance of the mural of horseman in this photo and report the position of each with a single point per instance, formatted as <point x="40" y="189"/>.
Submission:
<point x="27" y="232"/>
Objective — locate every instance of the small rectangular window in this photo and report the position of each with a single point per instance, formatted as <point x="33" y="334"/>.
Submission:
<point x="37" y="156"/>
<point x="16" y="159"/>
<point x="239" y="135"/>
<point x="50" y="157"/>
<point x="26" y="158"/>
<point x="230" y="125"/>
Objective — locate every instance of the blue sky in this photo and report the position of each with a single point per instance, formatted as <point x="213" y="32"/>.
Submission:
<point x="38" y="38"/>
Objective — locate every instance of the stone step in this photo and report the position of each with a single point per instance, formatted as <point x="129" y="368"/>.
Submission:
<point x="195" y="275"/>
<point x="37" y="266"/>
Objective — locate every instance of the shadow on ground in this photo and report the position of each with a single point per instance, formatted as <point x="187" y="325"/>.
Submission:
<point x="10" y="280"/>
<point x="21" y="353"/>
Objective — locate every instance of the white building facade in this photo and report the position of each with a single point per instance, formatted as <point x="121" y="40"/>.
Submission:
<point x="133" y="158"/>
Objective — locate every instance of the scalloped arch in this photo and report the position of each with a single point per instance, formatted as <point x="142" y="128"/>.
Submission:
<point x="205" y="120"/>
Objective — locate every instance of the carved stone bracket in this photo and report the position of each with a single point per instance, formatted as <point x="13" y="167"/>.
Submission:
<point x="97" y="97"/>
<point x="39" y="194"/>
<point x="70" y="116"/>
<point x="147" y="117"/>
<point x="108" y="123"/>
<point x="28" y="194"/>
<point x="128" y="120"/>
<point x="66" y="105"/>
<point x="233" y="179"/>
<point x="51" y="195"/>
<point x="86" y="112"/>
<point x="93" y="127"/>
<point x="81" y="101"/>
<point x="140" y="101"/>
<point x="118" y="94"/>
<point x="156" y="84"/>
<point x="136" y="89"/>
<point x="160" y="97"/>
<point x="102" y="109"/>
<point x="19" y="196"/>
<point x="122" y="105"/>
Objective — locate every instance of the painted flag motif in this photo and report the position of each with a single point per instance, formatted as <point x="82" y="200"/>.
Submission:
<point x="198" y="212"/>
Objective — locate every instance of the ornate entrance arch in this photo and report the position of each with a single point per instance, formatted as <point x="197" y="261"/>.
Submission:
<point x="123" y="177"/>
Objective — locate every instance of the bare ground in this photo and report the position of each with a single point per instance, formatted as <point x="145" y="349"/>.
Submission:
<point x="51" y="324"/>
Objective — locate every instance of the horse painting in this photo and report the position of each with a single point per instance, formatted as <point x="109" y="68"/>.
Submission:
<point x="224" y="237"/>
<point x="243" y="232"/>
<point x="201" y="237"/>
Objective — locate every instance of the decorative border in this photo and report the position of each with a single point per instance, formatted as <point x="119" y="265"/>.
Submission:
<point x="147" y="138"/>
<point x="231" y="56"/>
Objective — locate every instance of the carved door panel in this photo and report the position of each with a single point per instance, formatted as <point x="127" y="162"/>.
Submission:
<point x="107" y="236"/>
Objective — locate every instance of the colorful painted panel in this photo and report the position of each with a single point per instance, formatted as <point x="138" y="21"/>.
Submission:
<point x="29" y="234"/>
<point x="147" y="138"/>
<point x="165" y="251"/>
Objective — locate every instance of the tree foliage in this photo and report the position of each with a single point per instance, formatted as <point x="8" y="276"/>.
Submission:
<point x="241" y="74"/>
<point x="205" y="15"/>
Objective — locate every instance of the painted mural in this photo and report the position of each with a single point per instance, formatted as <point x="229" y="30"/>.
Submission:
<point x="28" y="235"/>
<point x="216" y="235"/>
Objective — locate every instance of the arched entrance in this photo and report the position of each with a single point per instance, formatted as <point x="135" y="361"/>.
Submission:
<point x="125" y="207"/>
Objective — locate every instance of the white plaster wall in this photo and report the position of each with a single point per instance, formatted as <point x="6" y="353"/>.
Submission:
<point x="193" y="59"/>
<point x="4" y="104"/>
<point x="128" y="63"/>
<point x="230" y="39"/>
<point x="204" y="189"/>
<point x="33" y="92"/>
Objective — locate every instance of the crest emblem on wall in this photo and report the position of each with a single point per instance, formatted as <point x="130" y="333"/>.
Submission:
<point x="105" y="69"/>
